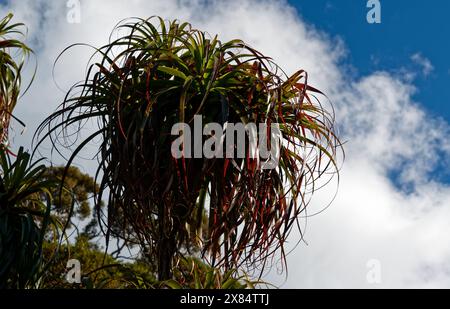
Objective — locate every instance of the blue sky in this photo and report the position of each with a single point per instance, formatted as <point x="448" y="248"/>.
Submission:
<point x="407" y="28"/>
<point x="410" y="31"/>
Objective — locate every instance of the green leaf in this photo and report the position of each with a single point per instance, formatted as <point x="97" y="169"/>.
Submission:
<point x="172" y="71"/>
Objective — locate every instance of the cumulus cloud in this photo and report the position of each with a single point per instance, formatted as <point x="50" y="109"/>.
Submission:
<point x="424" y="63"/>
<point x="403" y="225"/>
<point x="389" y="208"/>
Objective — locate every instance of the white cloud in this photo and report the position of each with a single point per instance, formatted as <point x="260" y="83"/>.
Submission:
<point x="406" y="229"/>
<point x="424" y="63"/>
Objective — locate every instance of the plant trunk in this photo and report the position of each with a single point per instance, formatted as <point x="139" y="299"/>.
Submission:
<point x="2" y="190"/>
<point x="166" y="245"/>
<point x="165" y="257"/>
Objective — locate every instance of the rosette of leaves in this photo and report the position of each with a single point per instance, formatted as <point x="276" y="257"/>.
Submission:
<point x="25" y="204"/>
<point x="13" y="54"/>
<point x="157" y="74"/>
